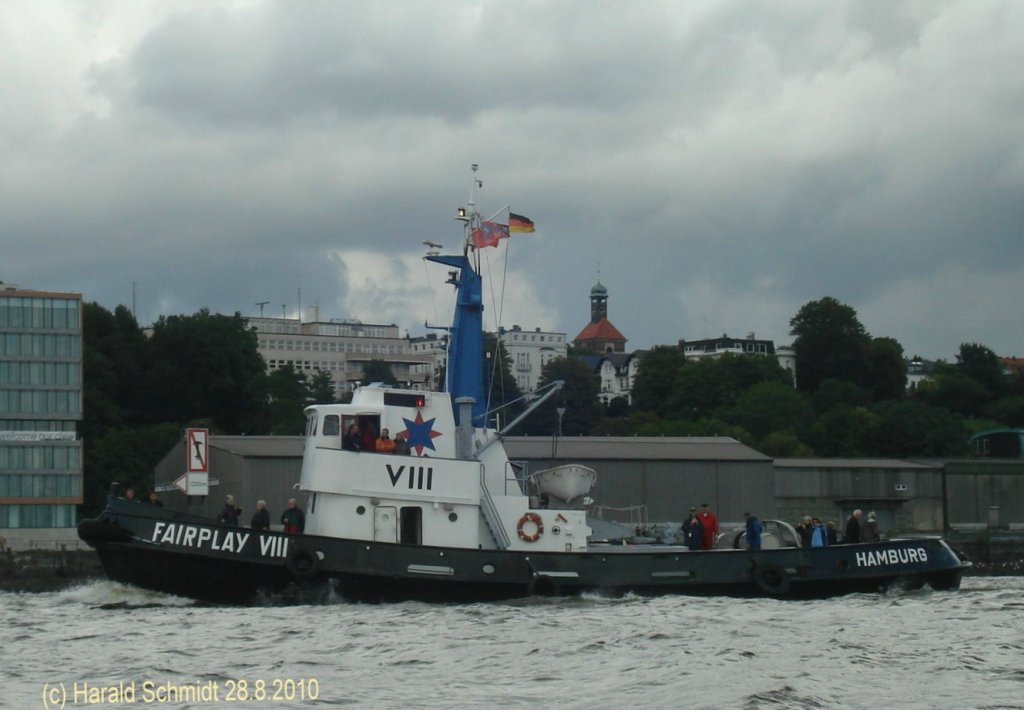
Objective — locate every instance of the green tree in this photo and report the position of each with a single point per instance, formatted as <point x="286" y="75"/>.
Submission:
<point x="205" y="366"/>
<point x="1009" y="411"/>
<point x="321" y="387"/>
<point x="952" y="388"/>
<point x="983" y="366"/>
<point x="378" y="370"/>
<point x="654" y="381"/>
<point x="111" y="367"/>
<point x="126" y="455"/>
<point x="784" y="443"/>
<point x="839" y="394"/>
<point x="830" y="343"/>
<point x="710" y="384"/>
<point x="287" y="396"/>
<point x="846" y="431"/>
<point x="885" y="369"/>
<point x="500" y="388"/>
<point x="909" y="428"/>
<point x="771" y="407"/>
<point x="618" y="408"/>
<point x="578" y="396"/>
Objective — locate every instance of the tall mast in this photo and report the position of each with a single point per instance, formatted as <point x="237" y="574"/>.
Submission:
<point x="465" y="337"/>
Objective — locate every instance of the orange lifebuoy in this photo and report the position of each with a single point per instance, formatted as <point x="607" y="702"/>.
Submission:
<point x="537" y="523"/>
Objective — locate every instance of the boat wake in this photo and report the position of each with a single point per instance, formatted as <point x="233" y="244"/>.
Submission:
<point x="105" y="594"/>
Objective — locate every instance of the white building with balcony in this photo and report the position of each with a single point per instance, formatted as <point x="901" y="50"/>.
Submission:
<point x="530" y="351"/>
<point x="339" y="347"/>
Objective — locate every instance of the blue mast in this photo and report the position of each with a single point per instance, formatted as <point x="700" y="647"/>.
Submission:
<point x="464" y="376"/>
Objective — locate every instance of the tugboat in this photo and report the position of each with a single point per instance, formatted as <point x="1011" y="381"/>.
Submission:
<point x="456" y="520"/>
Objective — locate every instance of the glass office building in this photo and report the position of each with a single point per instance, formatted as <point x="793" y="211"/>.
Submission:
<point x="40" y="405"/>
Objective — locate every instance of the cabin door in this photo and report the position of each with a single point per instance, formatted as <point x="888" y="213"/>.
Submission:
<point x="385" y="524"/>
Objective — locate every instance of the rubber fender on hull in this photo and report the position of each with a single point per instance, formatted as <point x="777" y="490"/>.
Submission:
<point x="303" y="563"/>
<point x="98" y="530"/>
<point x="772" y="579"/>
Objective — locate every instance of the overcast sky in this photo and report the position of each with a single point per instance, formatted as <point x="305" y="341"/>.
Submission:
<point x="719" y="163"/>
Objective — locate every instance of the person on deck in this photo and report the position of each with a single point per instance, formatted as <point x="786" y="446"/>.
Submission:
<point x="385" y="444"/>
<point x="710" y="523"/>
<point x="753" y="532"/>
<point x="261" y="518"/>
<point x="154" y="499"/>
<point x="819" y="534"/>
<point x="402" y="447"/>
<point x="353" y="440"/>
<point x="852" y="533"/>
<point x="831" y="534"/>
<point x="369" y="435"/>
<point x="869" y="531"/>
<point x="293" y="519"/>
<point x="803" y="529"/>
<point x="694" y="531"/>
<point x="229" y="513"/>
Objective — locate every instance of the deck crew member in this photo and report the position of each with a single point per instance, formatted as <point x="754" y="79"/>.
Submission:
<point x="385" y="444"/>
<point x="293" y="519"/>
<point x="230" y="513"/>
<point x="261" y="518"/>
<point x="753" y="531"/>
<point x="852" y="533"/>
<point x="710" y="523"/>
<point x="869" y="531"/>
<point x="694" y="531"/>
<point x="353" y="439"/>
<point x="402" y="444"/>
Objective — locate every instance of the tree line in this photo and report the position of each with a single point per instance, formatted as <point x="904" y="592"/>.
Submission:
<point x="140" y="391"/>
<point x="203" y="370"/>
<point x="850" y="399"/>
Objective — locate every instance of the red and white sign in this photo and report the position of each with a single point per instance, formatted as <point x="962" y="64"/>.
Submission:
<point x="197" y="450"/>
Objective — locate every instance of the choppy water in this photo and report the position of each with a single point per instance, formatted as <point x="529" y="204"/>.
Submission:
<point x="917" y="649"/>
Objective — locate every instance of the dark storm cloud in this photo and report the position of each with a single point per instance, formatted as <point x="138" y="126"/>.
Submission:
<point x="719" y="163"/>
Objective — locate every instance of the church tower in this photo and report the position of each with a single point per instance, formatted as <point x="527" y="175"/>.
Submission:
<point x="599" y="334"/>
<point x="598" y="302"/>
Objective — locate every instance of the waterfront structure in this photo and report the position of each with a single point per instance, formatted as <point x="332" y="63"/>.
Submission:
<point x="599" y="335"/>
<point x="615" y="368"/>
<point x="663" y="477"/>
<point x="1012" y="366"/>
<point x="918" y="371"/>
<point x="751" y="345"/>
<point x="434" y="351"/>
<point x="530" y="351"/>
<point x="341" y="348"/>
<point x="40" y="406"/>
<point x="617" y="372"/>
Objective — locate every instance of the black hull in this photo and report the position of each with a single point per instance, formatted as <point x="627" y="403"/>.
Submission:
<point x="156" y="550"/>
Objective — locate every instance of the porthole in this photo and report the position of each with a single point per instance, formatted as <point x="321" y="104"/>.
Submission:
<point x="361" y="509"/>
<point x="453" y="516"/>
<point x="488" y="569"/>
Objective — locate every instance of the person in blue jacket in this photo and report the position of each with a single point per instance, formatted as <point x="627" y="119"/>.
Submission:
<point x="229" y="513"/>
<point x="819" y="534"/>
<point x="753" y="533"/>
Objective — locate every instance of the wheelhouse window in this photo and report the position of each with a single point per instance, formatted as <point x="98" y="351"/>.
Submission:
<point x="332" y="425"/>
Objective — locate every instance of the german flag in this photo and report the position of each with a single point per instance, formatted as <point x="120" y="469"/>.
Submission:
<point x="519" y="223"/>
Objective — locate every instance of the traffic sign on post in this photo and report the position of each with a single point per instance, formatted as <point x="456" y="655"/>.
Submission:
<point x="197" y="450"/>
